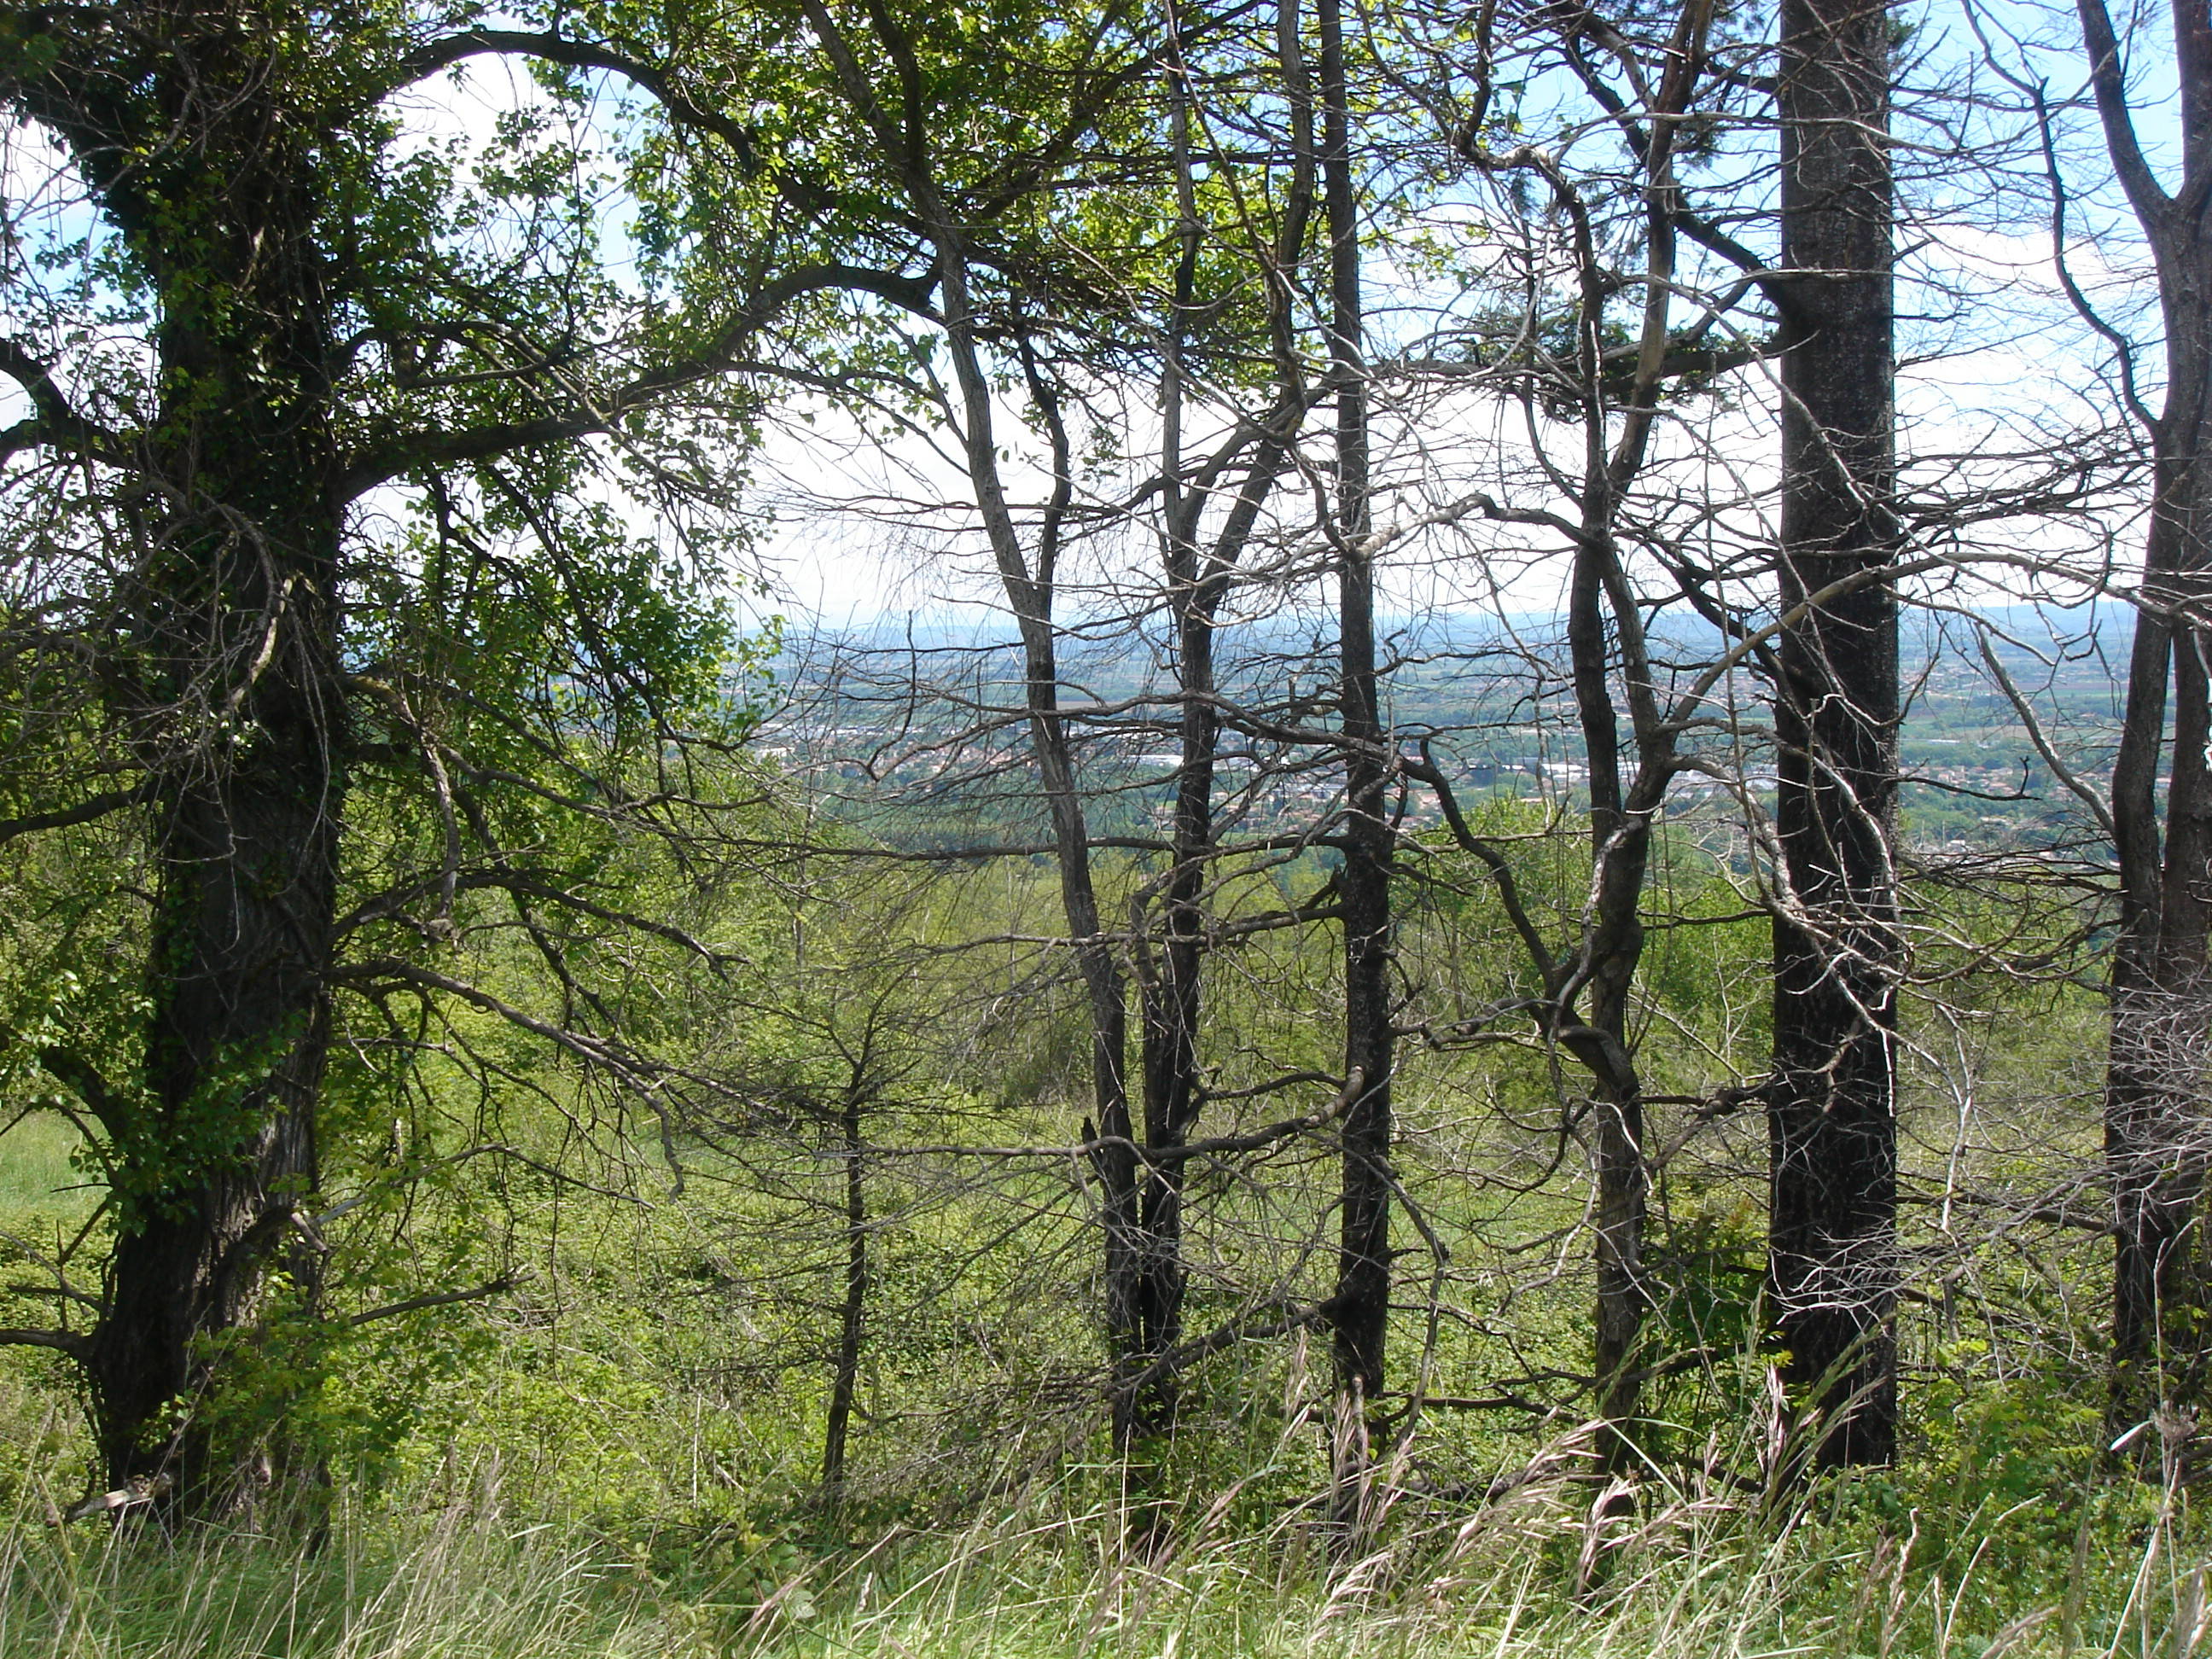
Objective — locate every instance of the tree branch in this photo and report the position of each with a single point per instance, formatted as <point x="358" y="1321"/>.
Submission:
<point x="449" y="50"/>
<point x="2108" y="81"/>
<point x="53" y="419"/>
<point x="438" y="1299"/>
<point x="386" y="460"/>
<point x="1425" y="771"/>
<point x="62" y="818"/>
<point x="86" y="1083"/>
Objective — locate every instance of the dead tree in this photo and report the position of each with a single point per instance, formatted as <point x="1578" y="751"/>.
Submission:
<point x="981" y="304"/>
<point x="1643" y="89"/>
<point x="1201" y="572"/>
<point x="1832" y="1123"/>
<point x="1359" y="1308"/>
<point x="2155" y="1136"/>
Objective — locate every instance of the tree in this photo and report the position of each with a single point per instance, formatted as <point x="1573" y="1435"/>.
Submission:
<point x="895" y="132"/>
<point x="2155" y="1142"/>
<point x="1198" y="575"/>
<point x="1831" y="1103"/>
<point x="1069" y="297"/>
<point x="1359" y="1308"/>
<point x="1614" y="384"/>
<point x="220" y="643"/>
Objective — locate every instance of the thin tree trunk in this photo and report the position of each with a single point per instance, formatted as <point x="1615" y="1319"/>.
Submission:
<point x="1619" y="846"/>
<point x="1621" y="819"/>
<point x="1198" y="579"/>
<point x="1605" y="633"/>
<point x="1115" y="1160"/>
<point x="1031" y="589"/>
<point x="2155" y="1128"/>
<point x="851" y="1320"/>
<point x="1172" y="991"/>
<point x="1359" y="1308"/>
<point x="1831" y="1115"/>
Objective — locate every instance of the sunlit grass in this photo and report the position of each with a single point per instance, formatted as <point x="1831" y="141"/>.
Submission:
<point x="1914" y="1564"/>
<point x="37" y="1182"/>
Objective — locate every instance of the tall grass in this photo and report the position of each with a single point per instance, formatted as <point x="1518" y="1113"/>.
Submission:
<point x="38" y="1181"/>
<point x="619" y="1463"/>
<point x="1049" y="1572"/>
<point x="445" y="1585"/>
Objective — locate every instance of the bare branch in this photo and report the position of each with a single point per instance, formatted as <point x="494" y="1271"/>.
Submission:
<point x="439" y="1299"/>
<point x="552" y="48"/>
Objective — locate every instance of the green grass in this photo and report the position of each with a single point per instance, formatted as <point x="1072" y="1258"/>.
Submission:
<point x="1695" y="1578"/>
<point x="445" y="1585"/>
<point x="37" y="1180"/>
<point x="617" y="1458"/>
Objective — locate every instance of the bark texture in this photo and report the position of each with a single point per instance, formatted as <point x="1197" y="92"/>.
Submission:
<point x="1359" y="1308"/>
<point x="1831" y="1120"/>
<point x="2156" y="1135"/>
<point x="231" y="694"/>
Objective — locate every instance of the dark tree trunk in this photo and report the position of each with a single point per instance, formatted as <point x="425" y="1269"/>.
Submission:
<point x="1621" y="818"/>
<point x="1172" y="1004"/>
<point x="1172" y="988"/>
<point x="2155" y="1131"/>
<point x="1832" y="1123"/>
<point x="236" y="707"/>
<point x="1173" y="991"/>
<point x="1359" y="1308"/>
<point x="852" y="1326"/>
<point x="1620" y="848"/>
<point x="1115" y="1160"/>
<point x="210" y="1185"/>
<point x="1605" y="638"/>
<point x="2156" y="1135"/>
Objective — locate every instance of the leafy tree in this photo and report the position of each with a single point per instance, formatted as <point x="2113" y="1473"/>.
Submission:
<point x="320" y="609"/>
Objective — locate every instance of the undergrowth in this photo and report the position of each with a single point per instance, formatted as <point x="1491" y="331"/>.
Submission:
<point x="1940" y="1557"/>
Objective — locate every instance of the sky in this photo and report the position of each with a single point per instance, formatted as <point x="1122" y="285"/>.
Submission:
<point x="859" y="529"/>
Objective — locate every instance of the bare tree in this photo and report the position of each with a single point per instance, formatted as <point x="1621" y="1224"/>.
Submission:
<point x="1064" y="329"/>
<point x="1198" y="577"/>
<point x="1615" y="392"/>
<point x="2155" y="1143"/>
<point x="1831" y="1111"/>
<point x="1359" y="1308"/>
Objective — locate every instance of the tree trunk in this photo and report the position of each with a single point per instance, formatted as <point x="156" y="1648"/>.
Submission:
<point x="1030" y="588"/>
<point x="1619" y="846"/>
<point x="1172" y="1004"/>
<point x="852" y="1322"/>
<point x="2155" y="1129"/>
<point x="1359" y="1308"/>
<point x="1198" y="579"/>
<point x="1832" y="1123"/>
<point x="1171" y="991"/>
<point x="221" y="1151"/>
<point x="1606" y="634"/>
<point x="234" y="698"/>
